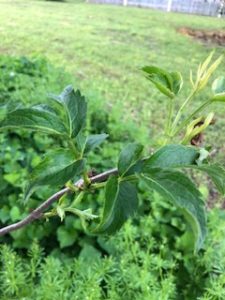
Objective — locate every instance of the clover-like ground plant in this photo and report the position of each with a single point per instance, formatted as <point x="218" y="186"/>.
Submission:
<point x="165" y="170"/>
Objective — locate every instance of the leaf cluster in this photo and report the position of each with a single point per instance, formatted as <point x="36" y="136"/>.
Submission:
<point x="164" y="171"/>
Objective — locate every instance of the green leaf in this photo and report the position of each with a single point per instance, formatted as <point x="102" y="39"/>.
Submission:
<point x="35" y="119"/>
<point x="128" y="157"/>
<point x="167" y="83"/>
<point x="94" y="141"/>
<point x="180" y="191"/>
<point x="75" y="108"/>
<point x="121" y="202"/>
<point x="4" y="214"/>
<point x="15" y="214"/>
<point x="12" y="178"/>
<point x="216" y="173"/>
<point x="56" y="169"/>
<point x="3" y="112"/>
<point x="171" y="156"/>
<point x="90" y="254"/>
<point x="66" y="237"/>
<point x="218" y="86"/>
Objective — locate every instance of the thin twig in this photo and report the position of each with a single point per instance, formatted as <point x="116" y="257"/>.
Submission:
<point x="38" y="212"/>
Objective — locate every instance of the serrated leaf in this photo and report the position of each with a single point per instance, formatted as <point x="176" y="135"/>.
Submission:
<point x="94" y="141"/>
<point x="167" y="83"/>
<point x="56" y="169"/>
<point x="171" y="156"/>
<point x="121" y="202"/>
<point x="75" y="108"/>
<point x="180" y="191"/>
<point x="128" y="157"/>
<point x="35" y="119"/>
<point x="216" y="173"/>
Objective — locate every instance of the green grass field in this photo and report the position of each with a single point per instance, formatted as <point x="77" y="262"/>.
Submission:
<point x="104" y="47"/>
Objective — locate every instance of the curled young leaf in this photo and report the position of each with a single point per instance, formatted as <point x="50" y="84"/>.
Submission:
<point x="196" y="127"/>
<point x="167" y="83"/>
<point x="205" y="71"/>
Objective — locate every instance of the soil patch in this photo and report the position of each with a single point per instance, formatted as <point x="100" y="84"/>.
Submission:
<point x="205" y="36"/>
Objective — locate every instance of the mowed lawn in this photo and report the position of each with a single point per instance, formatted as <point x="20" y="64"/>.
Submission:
<point x="103" y="48"/>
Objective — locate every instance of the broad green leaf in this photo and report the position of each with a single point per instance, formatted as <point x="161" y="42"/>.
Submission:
<point x="218" y="86"/>
<point x="75" y="108"/>
<point x="121" y="202"/>
<point x="90" y="254"/>
<point x="15" y="213"/>
<point x="56" y="169"/>
<point x="66" y="236"/>
<point x="12" y="177"/>
<point x="128" y="157"/>
<point x="167" y="83"/>
<point x="94" y="141"/>
<point x="178" y="156"/>
<point x="171" y="156"/>
<point x="216" y="173"/>
<point x="180" y="191"/>
<point x="35" y="119"/>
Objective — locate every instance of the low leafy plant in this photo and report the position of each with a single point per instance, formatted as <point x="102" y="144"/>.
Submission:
<point x="64" y="118"/>
<point x="141" y="261"/>
<point x="25" y="81"/>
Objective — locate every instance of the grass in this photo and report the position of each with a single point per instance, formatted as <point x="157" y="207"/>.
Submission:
<point x="104" y="47"/>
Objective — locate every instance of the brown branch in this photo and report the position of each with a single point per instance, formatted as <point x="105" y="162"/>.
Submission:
<point x="38" y="212"/>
